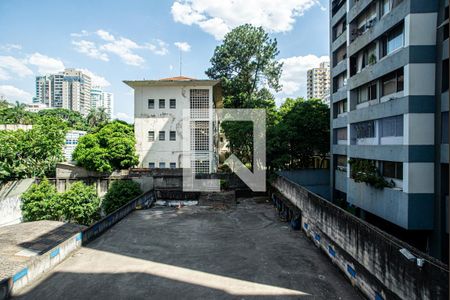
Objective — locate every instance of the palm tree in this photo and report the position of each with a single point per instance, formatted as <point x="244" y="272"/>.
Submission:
<point x="97" y="117"/>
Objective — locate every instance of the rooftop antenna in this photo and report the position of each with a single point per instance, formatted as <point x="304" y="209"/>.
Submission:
<point x="181" y="62"/>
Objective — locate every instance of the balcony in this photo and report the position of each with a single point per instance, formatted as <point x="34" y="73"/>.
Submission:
<point x="340" y="180"/>
<point x="339" y="41"/>
<point x="409" y="211"/>
<point x="378" y="28"/>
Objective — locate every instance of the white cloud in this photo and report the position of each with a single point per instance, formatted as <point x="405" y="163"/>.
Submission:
<point x="219" y="17"/>
<point x="183" y="46"/>
<point x="45" y="63"/>
<point x="105" y="35"/>
<point x="90" y="49"/>
<point x="11" y="66"/>
<point x="10" y="47"/>
<point x="14" y="94"/>
<point x="96" y="80"/>
<point x="123" y="47"/>
<point x="159" y="49"/>
<point x="293" y="77"/>
<point x="81" y="34"/>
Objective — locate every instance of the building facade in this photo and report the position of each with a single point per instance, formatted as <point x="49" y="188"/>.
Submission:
<point x="71" y="142"/>
<point x="102" y="99"/>
<point x="318" y="82"/>
<point x="389" y="115"/>
<point x="70" y="89"/>
<point x="159" y="114"/>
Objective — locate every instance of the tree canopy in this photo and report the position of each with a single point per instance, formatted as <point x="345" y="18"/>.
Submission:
<point x="111" y="148"/>
<point x="246" y="64"/>
<point x="34" y="152"/>
<point x="120" y="193"/>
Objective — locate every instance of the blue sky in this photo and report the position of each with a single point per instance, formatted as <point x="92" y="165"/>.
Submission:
<point x="136" y="39"/>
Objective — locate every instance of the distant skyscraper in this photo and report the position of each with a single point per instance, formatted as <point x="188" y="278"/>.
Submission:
<point x="318" y="82"/>
<point x="69" y="89"/>
<point x="100" y="98"/>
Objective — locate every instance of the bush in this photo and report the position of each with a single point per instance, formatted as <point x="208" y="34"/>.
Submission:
<point x="80" y="204"/>
<point x="120" y="192"/>
<point x="40" y="202"/>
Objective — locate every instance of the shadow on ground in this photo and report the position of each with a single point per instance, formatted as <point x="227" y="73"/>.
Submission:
<point x="243" y="252"/>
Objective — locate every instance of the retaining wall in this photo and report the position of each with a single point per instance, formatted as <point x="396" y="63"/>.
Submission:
<point x="370" y="258"/>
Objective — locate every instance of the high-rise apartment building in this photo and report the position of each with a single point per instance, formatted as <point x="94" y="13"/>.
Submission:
<point x="318" y="82"/>
<point x="100" y="98"/>
<point x="389" y="115"/>
<point x="69" y="89"/>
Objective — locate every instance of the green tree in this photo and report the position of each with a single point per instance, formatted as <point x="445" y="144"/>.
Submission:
<point x="111" y="148"/>
<point x="80" y="204"/>
<point x="246" y="65"/>
<point x="40" y="202"/>
<point x="120" y="193"/>
<point x="72" y="119"/>
<point x="16" y="114"/>
<point x="301" y="133"/>
<point x="34" y="152"/>
<point x="97" y="117"/>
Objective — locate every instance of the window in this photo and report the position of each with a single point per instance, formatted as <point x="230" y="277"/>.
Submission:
<point x="341" y="134"/>
<point x="365" y="129"/>
<point x="151" y="165"/>
<point x="173" y="165"/>
<point x="151" y="103"/>
<point x="388" y="5"/>
<point x="341" y="162"/>
<point x="199" y="103"/>
<point x="199" y="135"/>
<point x="367" y="93"/>
<point x="393" y="41"/>
<point x="444" y="132"/>
<point x="392" y="169"/>
<point x="392" y="126"/>
<point x="162" y="103"/>
<point x="173" y="103"/>
<point x="151" y="136"/>
<point x="162" y="135"/>
<point x="393" y="82"/>
<point x="341" y="107"/>
<point x="445" y="75"/>
<point x="162" y="165"/>
<point x="173" y="136"/>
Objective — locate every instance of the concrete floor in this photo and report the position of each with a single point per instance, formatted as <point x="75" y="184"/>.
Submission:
<point x="243" y="252"/>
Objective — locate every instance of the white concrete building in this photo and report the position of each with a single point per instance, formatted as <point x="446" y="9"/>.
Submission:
<point x="158" y="120"/>
<point x="100" y="98"/>
<point x="318" y="82"/>
<point x="71" y="142"/>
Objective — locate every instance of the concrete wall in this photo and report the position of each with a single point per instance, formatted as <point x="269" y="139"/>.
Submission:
<point x="15" y="127"/>
<point x="10" y="203"/>
<point x="370" y="258"/>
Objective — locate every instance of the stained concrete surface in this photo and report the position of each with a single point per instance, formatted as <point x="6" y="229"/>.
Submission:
<point x="240" y="252"/>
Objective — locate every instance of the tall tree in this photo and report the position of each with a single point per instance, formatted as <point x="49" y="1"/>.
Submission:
<point x="246" y="64"/>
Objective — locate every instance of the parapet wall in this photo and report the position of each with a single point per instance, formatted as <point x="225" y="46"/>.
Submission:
<point x="369" y="257"/>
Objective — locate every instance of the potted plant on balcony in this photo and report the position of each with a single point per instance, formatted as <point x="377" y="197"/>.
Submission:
<point x="363" y="170"/>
